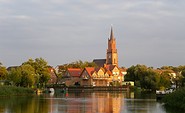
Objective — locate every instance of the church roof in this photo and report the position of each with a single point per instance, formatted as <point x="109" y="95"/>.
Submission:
<point x="99" y="62"/>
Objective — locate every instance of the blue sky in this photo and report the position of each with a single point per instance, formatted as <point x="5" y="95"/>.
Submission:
<point x="149" y="32"/>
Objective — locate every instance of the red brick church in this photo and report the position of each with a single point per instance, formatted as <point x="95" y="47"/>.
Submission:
<point x="112" y="55"/>
<point x="107" y="74"/>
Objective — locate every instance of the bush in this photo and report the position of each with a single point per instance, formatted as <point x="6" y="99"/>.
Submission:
<point x="175" y="99"/>
<point x="11" y="91"/>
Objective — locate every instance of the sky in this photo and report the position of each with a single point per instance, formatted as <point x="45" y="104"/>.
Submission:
<point x="149" y="32"/>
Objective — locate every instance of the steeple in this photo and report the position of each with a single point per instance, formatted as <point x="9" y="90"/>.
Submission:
<point x="112" y="55"/>
<point x="111" y="34"/>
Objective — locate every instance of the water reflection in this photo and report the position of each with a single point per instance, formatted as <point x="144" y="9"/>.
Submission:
<point x="111" y="102"/>
<point x="29" y="104"/>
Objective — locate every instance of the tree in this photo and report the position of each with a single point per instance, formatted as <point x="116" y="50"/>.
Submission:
<point x="41" y="70"/>
<point x="164" y="80"/>
<point x="143" y="76"/>
<point x="28" y="75"/>
<point x="3" y="73"/>
<point x="77" y="64"/>
<point x="14" y="76"/>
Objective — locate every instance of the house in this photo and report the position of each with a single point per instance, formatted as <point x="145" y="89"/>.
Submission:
<point x="102" y="76"/>
<point x="72" y="76"/>
<point x="53" y="76"/>
<point x="86" y="76"/>
<point x="117" y="76"/>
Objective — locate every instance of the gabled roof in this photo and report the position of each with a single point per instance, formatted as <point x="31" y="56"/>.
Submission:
<point x="109" y="72"/>
<point x="74" y="72"/>
<point x="99" y="68"/>
<point x="89" y="70"/>
<point x="110" y="67"/>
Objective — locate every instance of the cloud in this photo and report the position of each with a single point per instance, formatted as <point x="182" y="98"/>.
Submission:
<point x="73" y="30"/>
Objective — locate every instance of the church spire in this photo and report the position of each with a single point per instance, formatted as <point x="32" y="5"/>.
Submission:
<point x="112" y="55"/>
<point x="111" y="34"/>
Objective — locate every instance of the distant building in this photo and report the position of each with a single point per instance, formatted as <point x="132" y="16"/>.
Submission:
<point x="111" y="54"/>
<point x="102" y="76"/>
<point x="72" y="76"/>
<point x="12" y="67"/>
<point x="108" y="73"/>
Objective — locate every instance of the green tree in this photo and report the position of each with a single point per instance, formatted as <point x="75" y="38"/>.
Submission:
<point x="76" y="64"/>
<point x="41" y="70"/>
<point x="143" y="76"/>
<point x="130" y="76"/>
<point x="3" y="73"/>
<point x="14" y="76"/>
<point x="164" y="80"/>
<point x="28" y="75"/>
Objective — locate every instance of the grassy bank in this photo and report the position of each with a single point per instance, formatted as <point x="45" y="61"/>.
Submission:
<point x="175" y="99"/>
<point x="14" y="91"/>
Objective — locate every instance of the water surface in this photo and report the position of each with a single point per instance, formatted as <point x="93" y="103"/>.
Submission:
<point x="98" y="102"/>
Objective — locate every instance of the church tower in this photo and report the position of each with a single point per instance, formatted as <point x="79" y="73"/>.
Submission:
<point x="112" y="55"/>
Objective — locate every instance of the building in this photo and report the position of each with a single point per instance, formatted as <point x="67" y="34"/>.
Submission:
<point x="111" y="54"/>
<point x="72" y="76"/>
<point x="53" y="77"/>
<point x="107" y="74"/>
<point x="102" y="76"/>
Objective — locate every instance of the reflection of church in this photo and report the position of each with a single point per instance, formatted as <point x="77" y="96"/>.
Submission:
<point x="89" y="103"/>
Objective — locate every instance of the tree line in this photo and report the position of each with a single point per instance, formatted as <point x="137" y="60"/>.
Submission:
<point x="35" y="73"/>
<point x="31" y="73"/>
<point x="155" y="79"/>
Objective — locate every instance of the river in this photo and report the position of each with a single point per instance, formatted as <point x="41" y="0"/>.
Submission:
<point x="97" y="102"/>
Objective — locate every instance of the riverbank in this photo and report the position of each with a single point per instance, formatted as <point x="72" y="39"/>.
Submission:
<point x="175" y="99"/>
<point x="15" y="91"/>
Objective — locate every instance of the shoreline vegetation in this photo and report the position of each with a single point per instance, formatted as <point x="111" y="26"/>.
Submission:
<point x="15" y="91"/>
<point x="175" y="100"/>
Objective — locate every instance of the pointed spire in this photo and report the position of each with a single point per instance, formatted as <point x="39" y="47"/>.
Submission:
<point x="111" y="34"/>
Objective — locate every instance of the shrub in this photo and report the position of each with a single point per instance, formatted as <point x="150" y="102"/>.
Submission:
<point x="175" y="99"/>
<point x="12" y="90"/>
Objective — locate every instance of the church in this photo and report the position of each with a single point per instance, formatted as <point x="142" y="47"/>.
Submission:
<point x="112" y="55"/>
<point x="106" y="74"/>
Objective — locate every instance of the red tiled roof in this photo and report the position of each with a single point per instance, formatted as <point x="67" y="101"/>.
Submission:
<point x="109" y="72"/>
<point x="110" y="67"/>
<point x="123" y="69"/>
<point x="89" y="70"/>
<point x="97" y="69"/>
<point x="74" y="72"/>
